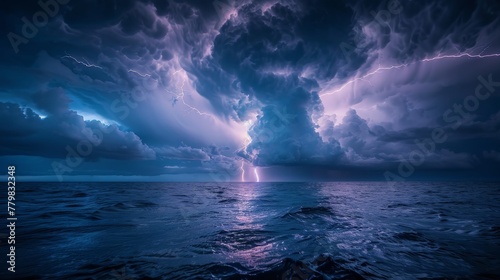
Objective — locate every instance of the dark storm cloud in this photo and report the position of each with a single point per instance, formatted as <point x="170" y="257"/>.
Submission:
<point x="183" y="153"/>
<point x="289" y="141"/>
<point x="374" y="145"/>
<point x="414" y="29"/>
<point x="413" y="102"/>
<point x="52" y="136"/>
<point x="200" y="67"/>
<point x="266" y="53"/>
<point x="263" y="53"/>
<point x="54" y="102"/>
<point x="267" y="48"/>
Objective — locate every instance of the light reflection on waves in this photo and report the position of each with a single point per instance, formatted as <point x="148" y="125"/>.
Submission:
<point x="184" y="231"/>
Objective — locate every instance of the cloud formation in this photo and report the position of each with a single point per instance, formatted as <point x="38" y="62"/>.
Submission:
<point x="213" y="86"/>
<point x="56" y="135"/>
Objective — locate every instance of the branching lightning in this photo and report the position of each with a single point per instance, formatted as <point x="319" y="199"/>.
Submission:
<point x="84" y="62"/>
<point x="380" y="69"/>
<point x="180" y="96"/>
<point x="462" y="55"/>
<point x="138" y="73"/>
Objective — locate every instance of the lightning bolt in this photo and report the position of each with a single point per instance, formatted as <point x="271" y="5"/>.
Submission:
<point x="242" y="171"/>
<point x="138" y="73"/>
<point x="462" y="55"/>
<point x="247" y="142"/>
<point x="84" y="62"/>
<point x="256" y="174"/>
<point x="380" y="69"/>
<point x="243" y="148"/>
<point x="180" y="96"/>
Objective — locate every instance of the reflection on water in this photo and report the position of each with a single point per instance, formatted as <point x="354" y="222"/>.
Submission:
<point x="258" y="231"/>
<point x="245" y="240"/>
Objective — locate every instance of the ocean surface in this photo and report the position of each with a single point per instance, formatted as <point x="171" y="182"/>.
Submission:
<point x="336" y="230"/>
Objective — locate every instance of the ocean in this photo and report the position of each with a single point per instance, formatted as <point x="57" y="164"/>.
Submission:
<point x="334" y="230"/>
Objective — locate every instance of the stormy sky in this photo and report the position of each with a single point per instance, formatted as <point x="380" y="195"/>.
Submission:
<point x="250" y="90"/>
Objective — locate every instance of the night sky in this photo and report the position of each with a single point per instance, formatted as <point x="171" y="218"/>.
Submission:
<point x="250" y="90"/>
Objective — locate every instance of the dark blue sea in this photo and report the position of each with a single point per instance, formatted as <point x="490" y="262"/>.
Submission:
<point x="337" y="230"/>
